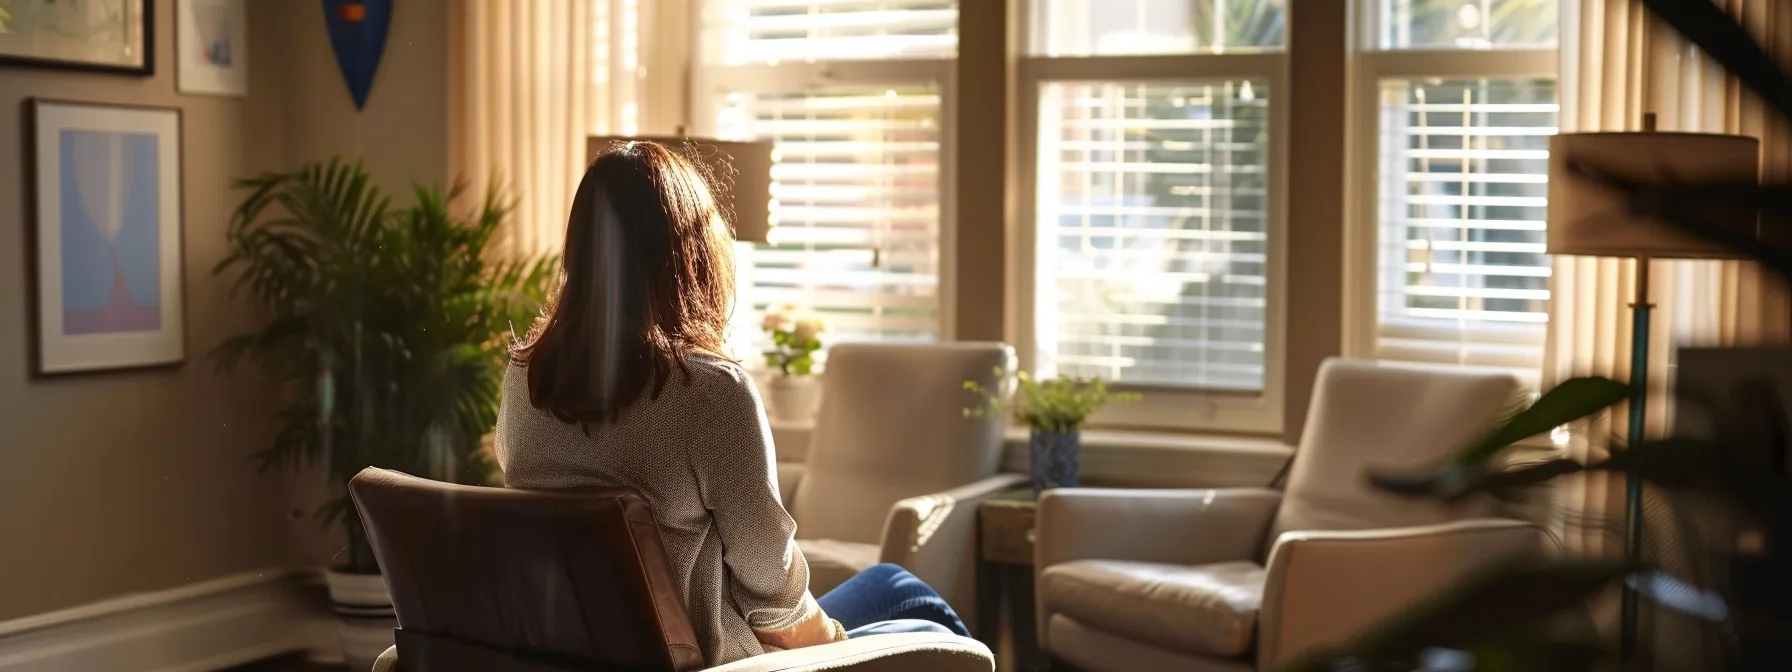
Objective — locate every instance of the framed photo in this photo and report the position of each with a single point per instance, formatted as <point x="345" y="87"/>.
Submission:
<point x="105" y="235"/>
<point x="211" y="57"/>
<point x="100" y="35"/>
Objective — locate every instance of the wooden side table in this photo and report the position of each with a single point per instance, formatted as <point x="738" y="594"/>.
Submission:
<point x="1005" y="580"/>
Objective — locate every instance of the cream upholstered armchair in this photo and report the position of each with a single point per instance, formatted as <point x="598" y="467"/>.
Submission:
<point x="1246" y="578"/>
<point x="895" y="470"/>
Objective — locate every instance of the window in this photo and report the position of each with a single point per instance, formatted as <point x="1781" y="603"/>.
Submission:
<point x="851" y="92"/>
<point x="1461" y="97"/>
<point x="1154" y="239"/>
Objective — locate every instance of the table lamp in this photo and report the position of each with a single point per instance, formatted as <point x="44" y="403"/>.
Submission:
<point x="1589" y="216"/>
<point x="739" y="175"/>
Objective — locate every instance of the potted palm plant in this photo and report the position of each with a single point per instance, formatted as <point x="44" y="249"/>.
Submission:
<point x="384" y="331"/>
<point x="1055" y="411"/>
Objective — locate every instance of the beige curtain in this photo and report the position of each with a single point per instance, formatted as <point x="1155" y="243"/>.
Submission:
<point x="532" y="79"/>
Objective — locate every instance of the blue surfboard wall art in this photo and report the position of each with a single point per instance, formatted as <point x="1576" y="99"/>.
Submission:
<point x="358" y="35"/>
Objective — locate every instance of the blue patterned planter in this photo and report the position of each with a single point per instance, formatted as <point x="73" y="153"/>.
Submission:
<point x="1055" y="458"/>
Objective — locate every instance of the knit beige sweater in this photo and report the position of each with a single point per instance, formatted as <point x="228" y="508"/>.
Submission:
<point x="702" y="456"/>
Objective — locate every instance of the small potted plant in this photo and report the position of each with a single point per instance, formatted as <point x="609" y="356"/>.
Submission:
<point x="793" y="394"/>
<point x="1055" y="411"/>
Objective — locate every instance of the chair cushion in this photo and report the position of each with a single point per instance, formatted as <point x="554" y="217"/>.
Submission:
<point x="1093" y="650"/>
<point x="1203" y="609"/>
<point x="832" y="562"/>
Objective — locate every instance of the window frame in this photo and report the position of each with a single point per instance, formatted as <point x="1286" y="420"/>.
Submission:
<point x="1162" y="407"/>
<point x="706" y="77"/>
<point x="1373" y="65"/>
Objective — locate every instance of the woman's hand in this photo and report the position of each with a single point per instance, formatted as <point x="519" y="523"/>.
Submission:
<point x="813" y="630"/>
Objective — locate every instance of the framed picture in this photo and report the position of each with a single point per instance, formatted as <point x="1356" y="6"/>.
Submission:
<point x="105" y="236"/>
<point x="100" y="35"/>
<point x="211" y="57"/>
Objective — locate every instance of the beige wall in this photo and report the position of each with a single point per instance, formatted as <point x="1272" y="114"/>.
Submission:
<point x="402" y="134"/>
<point x="114" y="483"/>
<point x="118" y="482"/>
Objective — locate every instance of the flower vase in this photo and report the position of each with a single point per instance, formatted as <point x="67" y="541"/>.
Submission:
<point x="1054" y="459"/>
<point x="792" y="398"/>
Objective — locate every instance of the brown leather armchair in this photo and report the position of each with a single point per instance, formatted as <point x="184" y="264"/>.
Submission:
<point x="508" y="580"/>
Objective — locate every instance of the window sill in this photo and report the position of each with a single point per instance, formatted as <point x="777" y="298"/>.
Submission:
<point x="1142" y="459"/>
<point x="1126" y="458"/>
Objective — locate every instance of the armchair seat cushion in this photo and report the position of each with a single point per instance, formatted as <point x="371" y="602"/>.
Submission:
<point x="1202" y="609"/>
<point x="1094" y="650"/>
<point x="832" y="562"/>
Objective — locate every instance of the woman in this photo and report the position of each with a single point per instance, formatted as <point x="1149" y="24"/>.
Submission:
<point x="620" y="383"/>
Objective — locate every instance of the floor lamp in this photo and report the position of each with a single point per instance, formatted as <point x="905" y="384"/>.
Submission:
<point x="1588" y="217"/>
<point x="739" y="176"/>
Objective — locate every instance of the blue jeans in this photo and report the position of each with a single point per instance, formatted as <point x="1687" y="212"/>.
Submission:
<point x="887" y="599"/>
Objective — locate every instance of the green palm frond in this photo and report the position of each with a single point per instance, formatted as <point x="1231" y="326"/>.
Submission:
<point x="386" y="328"/>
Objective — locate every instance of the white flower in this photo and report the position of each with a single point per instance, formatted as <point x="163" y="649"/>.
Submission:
<point x="808" y="327"/>
<point x="777" y="321"/>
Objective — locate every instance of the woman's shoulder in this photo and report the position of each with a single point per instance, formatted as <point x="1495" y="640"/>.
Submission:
<point x="715" y="376"/>
<point x="709" y="378"/>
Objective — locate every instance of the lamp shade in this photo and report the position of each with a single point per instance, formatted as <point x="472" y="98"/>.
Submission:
<point x="1588" y="215"/>
<point x="739" y="175"/>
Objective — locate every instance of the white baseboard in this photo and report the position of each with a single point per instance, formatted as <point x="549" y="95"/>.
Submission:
<point x="194" y="628"/>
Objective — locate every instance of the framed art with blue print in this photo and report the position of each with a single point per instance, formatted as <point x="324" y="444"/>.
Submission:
<point x="104" y="202"/>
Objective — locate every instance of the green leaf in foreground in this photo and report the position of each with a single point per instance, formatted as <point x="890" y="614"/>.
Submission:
<point x="1571" y="400"/>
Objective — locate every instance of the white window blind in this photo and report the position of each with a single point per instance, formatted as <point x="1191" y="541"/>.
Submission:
<point x="1464" y="102"/>
<point x="1152" y="256"/>
<point x="857" y="174"/>
<point x="1463" y="275"/>
<point x="856" y="180"/>
<point x="772" y="31"/>
<point x="1152" y="232"/>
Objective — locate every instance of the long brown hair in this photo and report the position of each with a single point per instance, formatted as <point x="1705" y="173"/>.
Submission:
<point x="647" y="278"/>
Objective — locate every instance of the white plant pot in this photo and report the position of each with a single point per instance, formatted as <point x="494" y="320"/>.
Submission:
<point x="793" y="398"/>
<point x="364" y="616"/>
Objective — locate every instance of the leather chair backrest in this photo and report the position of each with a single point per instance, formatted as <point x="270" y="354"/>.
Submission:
<point x="1365" y="417"/>
<point x="892" y="426"/>
<point x="543" y="579"/>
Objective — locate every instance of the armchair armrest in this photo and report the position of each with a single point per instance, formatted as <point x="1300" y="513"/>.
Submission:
<point x="907" y="651"/>
<point x="1187" y="527"/>
<point x="790" y="476"/>
<point x="1325" y="587"/>
<point x="935" y="537"/>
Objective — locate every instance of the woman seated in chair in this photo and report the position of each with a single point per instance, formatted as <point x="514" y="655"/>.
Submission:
<point x="621" y="382"/>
